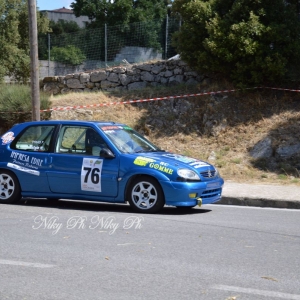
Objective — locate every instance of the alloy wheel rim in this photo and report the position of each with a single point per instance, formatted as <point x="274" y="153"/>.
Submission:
<point x="144" y="195"/>
<point x="7" y="186"/>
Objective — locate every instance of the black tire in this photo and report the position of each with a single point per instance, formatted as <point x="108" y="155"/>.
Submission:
<point x="145" y="195"/>
<point x="10" y="191"/>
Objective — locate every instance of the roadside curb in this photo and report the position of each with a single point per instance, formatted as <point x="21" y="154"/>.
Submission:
<point x="260" y="195"/>
<point x="244" y="201"/>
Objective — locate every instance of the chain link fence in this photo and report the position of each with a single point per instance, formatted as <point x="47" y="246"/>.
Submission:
<point x="97" y="48"/>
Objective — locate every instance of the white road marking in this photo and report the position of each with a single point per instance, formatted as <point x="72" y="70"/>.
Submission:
<point x="249" y="207"/>
<point x="126" y="244"/>
<point x="24" y="264"/>
<point x="256" y="292"/>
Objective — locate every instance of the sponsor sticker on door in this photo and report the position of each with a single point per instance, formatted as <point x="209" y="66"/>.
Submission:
<point x="91" y="174"/>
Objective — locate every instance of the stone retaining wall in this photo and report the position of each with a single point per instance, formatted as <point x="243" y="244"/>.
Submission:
<point x="129" y="77"/>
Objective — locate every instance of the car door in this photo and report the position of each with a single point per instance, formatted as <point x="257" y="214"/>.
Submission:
<point x="29" y="158"/>
<point x="76" y="165"/>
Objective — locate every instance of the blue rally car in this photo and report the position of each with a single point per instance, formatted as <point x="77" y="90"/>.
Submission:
<point x="100" y="161"/>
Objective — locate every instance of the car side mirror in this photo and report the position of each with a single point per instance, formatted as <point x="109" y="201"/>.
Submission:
<point x="106" y="153"/>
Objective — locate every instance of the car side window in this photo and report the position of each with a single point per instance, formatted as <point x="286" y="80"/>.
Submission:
<point x="34" y="138"/>
<point x="79" y="140"/>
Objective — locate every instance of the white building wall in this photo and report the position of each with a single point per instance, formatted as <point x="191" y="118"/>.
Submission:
<point x="56" y="16"/>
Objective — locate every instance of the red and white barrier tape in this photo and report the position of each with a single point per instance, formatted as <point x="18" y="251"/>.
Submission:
<point x="280" y="89"/>
<point x="153" y="99"/>
<point x="138" y="101"/>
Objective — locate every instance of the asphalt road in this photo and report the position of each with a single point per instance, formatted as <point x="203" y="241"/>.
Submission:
<point x="100" y="251"/>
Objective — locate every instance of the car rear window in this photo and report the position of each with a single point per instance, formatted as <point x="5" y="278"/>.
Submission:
<point x="34" y="138"/>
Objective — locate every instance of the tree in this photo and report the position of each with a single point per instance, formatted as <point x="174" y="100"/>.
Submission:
<point x="125" y="20"/>
<point x="68" y="55"/>
<point x="14" y="39"/>
<point x="145" y="10"/>
<point x="62" y="26"/>
<point x="251" y="41"/>
<point x="120" y="12"/>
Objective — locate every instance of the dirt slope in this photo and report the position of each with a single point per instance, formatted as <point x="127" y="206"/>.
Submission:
<point x="221" y="128"/>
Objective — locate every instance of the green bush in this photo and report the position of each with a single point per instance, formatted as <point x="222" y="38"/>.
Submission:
<point x="16" y="105"/>
<point x="69" y="55"/>
<point x="252" y="42"/>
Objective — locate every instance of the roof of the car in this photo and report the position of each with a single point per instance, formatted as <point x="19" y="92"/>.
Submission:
<point x="72" y="122"/>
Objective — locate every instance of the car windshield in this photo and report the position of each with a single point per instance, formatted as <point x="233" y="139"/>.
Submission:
<point x="128" y="140"/>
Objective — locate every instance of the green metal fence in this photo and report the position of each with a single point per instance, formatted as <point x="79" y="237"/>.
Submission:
<point x="111" y="45"/>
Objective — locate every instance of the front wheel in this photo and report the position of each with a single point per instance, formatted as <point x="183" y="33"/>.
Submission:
<point x="145" y="195"/>
<point x="10" y="191"/>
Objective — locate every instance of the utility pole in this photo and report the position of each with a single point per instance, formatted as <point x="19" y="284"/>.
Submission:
<point x="166" y="43"/>
<point x="34" y="62"/>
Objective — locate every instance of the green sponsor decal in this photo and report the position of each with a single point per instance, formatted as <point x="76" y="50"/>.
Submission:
<point x="143" y="161"/>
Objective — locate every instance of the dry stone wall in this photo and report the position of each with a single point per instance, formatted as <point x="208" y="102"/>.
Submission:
<point x="129" y="77"/>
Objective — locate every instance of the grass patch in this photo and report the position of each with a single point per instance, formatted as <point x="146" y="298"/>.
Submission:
<point x="282" y="177"/>
<point x="16" y="105"/>
<point x="236" y="161"/>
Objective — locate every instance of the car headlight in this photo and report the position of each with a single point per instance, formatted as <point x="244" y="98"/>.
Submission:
<point x="188" y="174"/>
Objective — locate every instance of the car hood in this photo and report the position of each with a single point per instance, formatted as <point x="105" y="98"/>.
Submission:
<point x="171" y="160"/>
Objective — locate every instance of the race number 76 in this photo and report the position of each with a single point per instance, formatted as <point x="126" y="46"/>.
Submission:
<point x="94" y="173"/>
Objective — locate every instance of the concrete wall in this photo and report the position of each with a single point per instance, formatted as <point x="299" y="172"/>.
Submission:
<point x="138" y="54"/>
<point x="130" y="54"/>
<point x="53" y="68"/>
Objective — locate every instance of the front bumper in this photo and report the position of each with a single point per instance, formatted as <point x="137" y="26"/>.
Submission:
<point x="190" y="193"/>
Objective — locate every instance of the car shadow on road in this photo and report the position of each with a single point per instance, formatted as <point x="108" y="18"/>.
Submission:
<point x="105" y="207"/>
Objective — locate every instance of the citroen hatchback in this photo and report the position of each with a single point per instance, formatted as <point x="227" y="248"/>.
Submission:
<point x="100" y="161"/>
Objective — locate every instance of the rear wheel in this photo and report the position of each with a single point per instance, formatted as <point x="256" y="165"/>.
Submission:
<point x="10" y="191"/>
<point x="145" y="195"/>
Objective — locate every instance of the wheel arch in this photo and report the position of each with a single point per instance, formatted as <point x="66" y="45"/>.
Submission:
<point x="11" y="171"/>
<point x="134" y="177"/>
